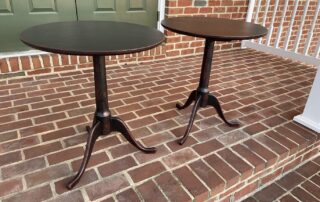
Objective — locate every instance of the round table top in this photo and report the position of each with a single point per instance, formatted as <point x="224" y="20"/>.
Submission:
<point x="92" y="37"/>
<point x="218" y="29"/>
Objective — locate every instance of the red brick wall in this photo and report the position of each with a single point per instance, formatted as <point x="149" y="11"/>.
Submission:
<point x="177" y="45"/>
<point x="184" y="45"/>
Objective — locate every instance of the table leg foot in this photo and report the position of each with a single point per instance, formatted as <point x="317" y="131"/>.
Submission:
<point x="119" y="126"/>
<point x="193" y="115"/>
<point x="191" y="98"/>
<point x="93" y="135"/>
<point x="104" y="126"/>
<point x="213" y="101"/>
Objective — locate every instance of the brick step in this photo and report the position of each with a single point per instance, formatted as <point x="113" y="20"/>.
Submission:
<point x="302" y="184"/>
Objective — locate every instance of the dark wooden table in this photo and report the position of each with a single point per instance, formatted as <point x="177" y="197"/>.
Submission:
<point x="212" y="29"/>
<point x="96" y="39"/>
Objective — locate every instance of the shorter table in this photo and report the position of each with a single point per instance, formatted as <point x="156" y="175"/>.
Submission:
<point x="212" y="29"/>
<point x="97" y="39"/>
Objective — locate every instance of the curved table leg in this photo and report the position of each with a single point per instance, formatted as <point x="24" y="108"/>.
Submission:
<point x="191" y="98"/>
<point x="119" y="126"/>
<point x="88" y="128"/>
<point x="193" y="115"/>
<point x="213" y="101"/>
<point x="202" y="92"/>
<point x="94" y="134"/>
<point x="103" y="123"/>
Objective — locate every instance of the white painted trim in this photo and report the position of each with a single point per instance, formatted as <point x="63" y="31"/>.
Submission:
<point x="161" y="10"/>
<point x="287" y="40"/>
<point x="311" y="114"/>
<point x="249" y="15"/>
<point x="317" y="52"/>
<point x="276" y="44"/>
<point x="250" y="10"/>
<point x="303" y="17"/>
<point x="22" y="53"/>
<point x="310" y="34"/>
<point x="257" y="12"/>
<point x="283" y="53"/>
<point x="307" y="123"/>
<point x="265" y="17"/>
<point x="272" y="23"/>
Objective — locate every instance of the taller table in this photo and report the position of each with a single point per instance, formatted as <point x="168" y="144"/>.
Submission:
<point x="96" y="39"/>
<point x="212" y="29"/>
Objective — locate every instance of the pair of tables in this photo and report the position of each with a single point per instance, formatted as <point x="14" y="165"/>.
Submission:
<point x="100" y="38"/>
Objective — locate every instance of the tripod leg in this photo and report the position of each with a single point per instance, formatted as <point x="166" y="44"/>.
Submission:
<point x="193" y="115"/>
<point x="191" y="98"/>
<point x="88" y="128"/>
<point x="119" y="126"/>
<point x="213" y="101"/>
<point x="94" y="134"/>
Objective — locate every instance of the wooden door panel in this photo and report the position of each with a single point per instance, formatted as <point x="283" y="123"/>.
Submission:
<point x="137" y="5"/>
<point x="104" y="5"/>
<point x="5" y="7"/>
<point x="135" y="11"/>
<point x="17" y="15"/>
<point x="43" y="5"/>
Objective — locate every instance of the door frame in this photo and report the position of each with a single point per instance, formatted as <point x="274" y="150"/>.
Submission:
<point x="161" y="13"/>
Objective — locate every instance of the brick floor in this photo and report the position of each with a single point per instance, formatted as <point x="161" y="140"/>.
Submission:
<point x="302" y="184"/>
<point x="43" y="119"/>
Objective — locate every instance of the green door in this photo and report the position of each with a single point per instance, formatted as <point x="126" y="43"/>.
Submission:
<point x="17" y="15"/>
<point x="135" y="11"/>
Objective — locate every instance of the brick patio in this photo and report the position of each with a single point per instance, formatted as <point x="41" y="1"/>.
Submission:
<point x="302" y="184"/>
<point x="43" y="119"/>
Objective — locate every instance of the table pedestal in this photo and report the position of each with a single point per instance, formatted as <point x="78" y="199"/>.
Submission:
<point x="201" y="96"/>
<point x="103" y="122"/>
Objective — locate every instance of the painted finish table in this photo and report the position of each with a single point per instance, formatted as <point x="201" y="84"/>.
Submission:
<point x="212" y="29"/>
<point x="96" y="39"/>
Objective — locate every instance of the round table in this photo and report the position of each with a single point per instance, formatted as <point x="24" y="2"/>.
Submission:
<point x="96" y="39"/>
<point x="212" y="29"/>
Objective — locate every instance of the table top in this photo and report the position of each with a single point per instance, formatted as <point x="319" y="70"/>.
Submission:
<point x="92" y="37"/>
<point x="218" y="29"/>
